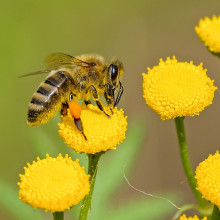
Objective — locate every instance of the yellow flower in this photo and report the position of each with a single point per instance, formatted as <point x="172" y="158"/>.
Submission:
<point x="176" y="89"/>
<point x="208" y="31"/>
<point x="53" y="184"/>
<point x="102" y="133"/>
<point x="208" y="178"/>
<point x="195" y="217"/>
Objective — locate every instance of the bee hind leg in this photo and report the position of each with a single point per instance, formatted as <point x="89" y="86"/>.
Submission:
<point x="78" y="123"/>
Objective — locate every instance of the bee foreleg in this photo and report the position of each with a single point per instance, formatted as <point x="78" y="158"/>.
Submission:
<point x="120" y="92"/>
<point x="96" y="98"/>
<point x="109" y="95"/>
<point x="79" y="126"/>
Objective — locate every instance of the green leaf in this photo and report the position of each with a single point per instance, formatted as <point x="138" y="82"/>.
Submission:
<point x="43" y="144"/>
<point x="142" y="209"/>
<point x="15" y="207"/>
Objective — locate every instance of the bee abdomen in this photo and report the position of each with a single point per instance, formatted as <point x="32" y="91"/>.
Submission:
<point x="48" y="98"/>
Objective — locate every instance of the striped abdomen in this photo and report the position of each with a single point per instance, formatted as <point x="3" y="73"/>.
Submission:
<point x="49" y="97"/>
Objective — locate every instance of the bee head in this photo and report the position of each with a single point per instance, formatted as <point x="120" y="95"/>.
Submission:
<point x="115" y="71"/>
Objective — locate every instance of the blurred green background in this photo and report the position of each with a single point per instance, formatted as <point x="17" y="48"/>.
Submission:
<point x="139" y="33"/>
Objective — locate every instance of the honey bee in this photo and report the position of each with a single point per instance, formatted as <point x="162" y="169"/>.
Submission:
<point x="74" y="78"/>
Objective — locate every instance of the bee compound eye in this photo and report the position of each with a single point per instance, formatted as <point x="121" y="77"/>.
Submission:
<point x="113" y="71"/>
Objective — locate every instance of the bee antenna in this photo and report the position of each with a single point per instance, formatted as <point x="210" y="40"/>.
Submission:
<point x="34" y="73"/>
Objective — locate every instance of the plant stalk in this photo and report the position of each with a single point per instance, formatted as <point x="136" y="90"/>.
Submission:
<point x="58" y="215"/>
<point x="92" y="171"/>
<point x="215" y="213"/>
<point x="186" y="162"/>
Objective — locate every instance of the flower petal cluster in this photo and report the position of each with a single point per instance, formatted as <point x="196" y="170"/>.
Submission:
<point x="208" y="178"/>
<point x="208" y="31"/>
<point x="195" y="217"/>
<point x="102" y="132"/>
<point x="53" y="184"/>
<point x="176" y="89"/>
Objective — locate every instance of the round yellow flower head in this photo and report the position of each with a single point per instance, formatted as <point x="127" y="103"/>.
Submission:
<point x="208" y="31"/>
<point x="208" y="178"/>
<point x="102" y="133"/>
<point x="195" y="217"/>
<point x="53" y="184"/>
<point x="176" y="89"/>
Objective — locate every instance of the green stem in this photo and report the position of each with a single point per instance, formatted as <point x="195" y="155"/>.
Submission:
<point x="92" y="171"/>
<point x="185" y="160"/>
<point x="215" y="213"/>
<point x="58" y="215"/>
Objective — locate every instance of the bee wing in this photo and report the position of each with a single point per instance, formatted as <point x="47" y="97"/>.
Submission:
<point x="57" y="60"/>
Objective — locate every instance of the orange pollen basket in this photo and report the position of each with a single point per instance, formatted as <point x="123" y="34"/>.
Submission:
<point x="75" y="109"/>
